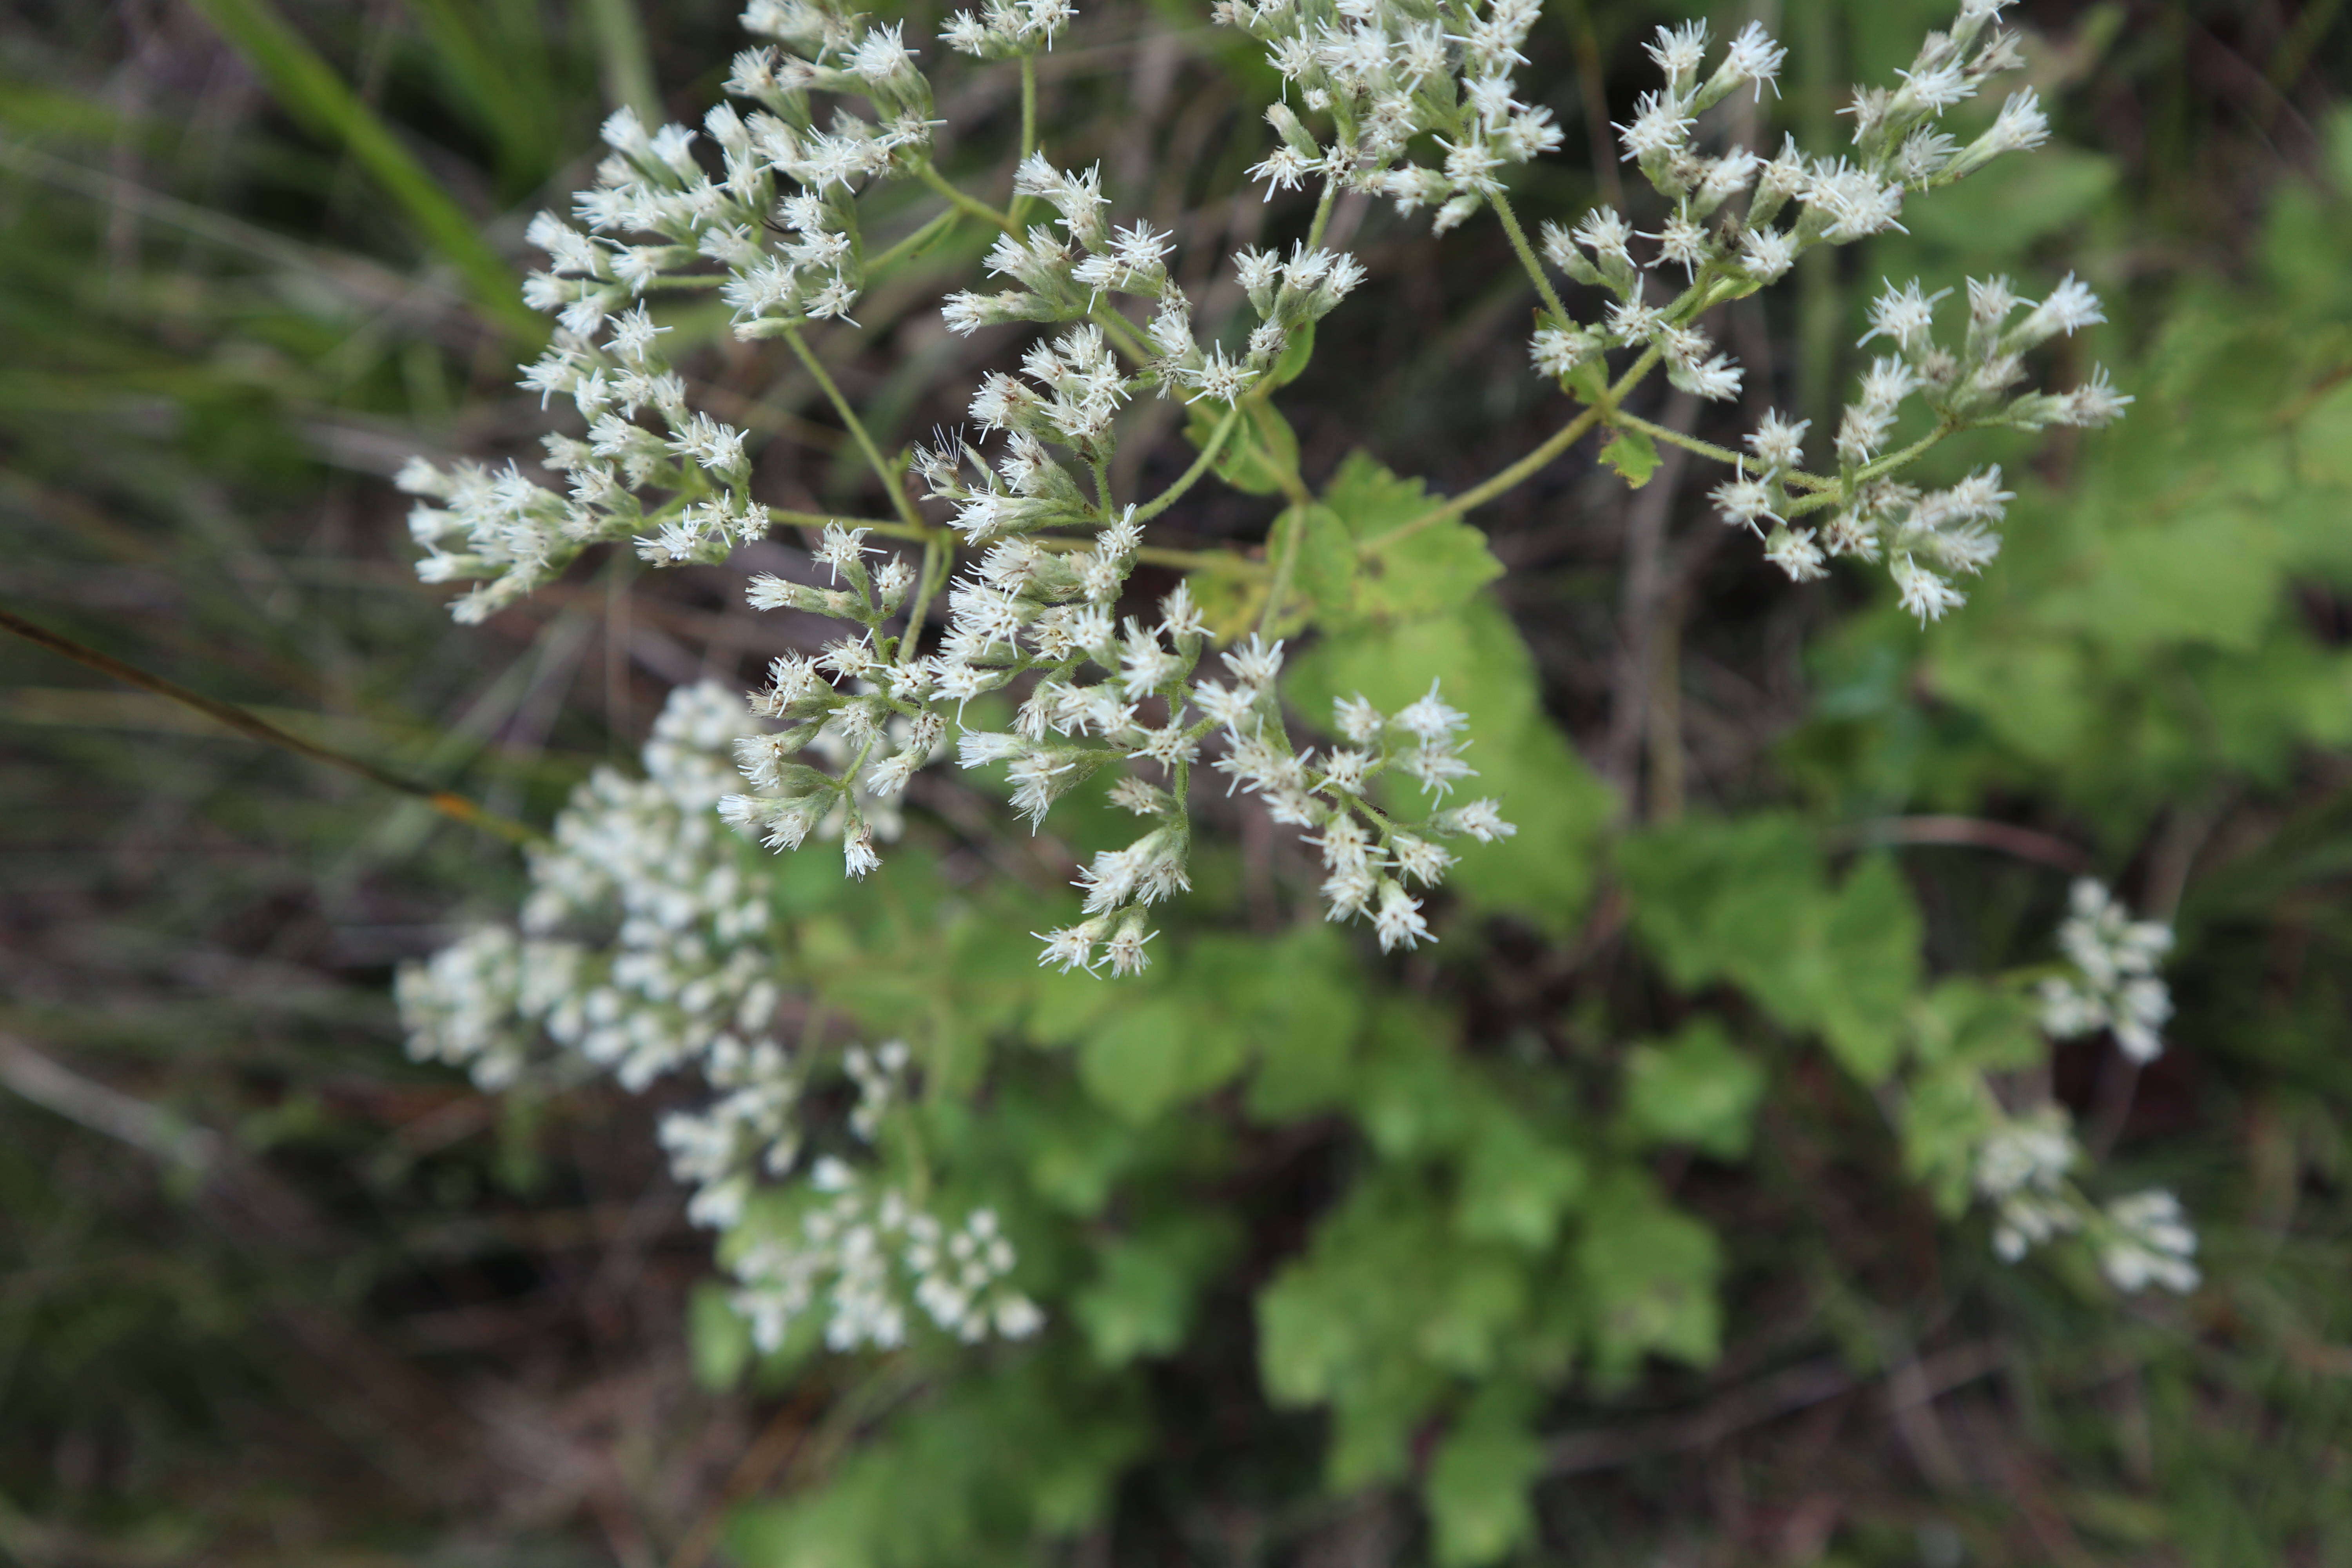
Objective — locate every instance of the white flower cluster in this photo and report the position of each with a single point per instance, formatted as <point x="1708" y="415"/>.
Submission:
<point x="1836" y="201"/>
<point x="1369" y="855"/>
<point x="1794" y="203"/>
<point x="2115" y="986"/>
<point x="1926" y="538"/>
<point x="1063" y="277"/>
<point x="773" y="227"/>
<point x="687" y="968"/>
<point x="2022" y="1169"/>
<point x="2023" y="1165"/>
<point x="877" y="1259"/>
<point x="682" y="971"/>
<point x="1387" y="71"/>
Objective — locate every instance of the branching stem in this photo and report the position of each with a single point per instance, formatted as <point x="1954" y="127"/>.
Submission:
<point x="1527" y="466"/>
<point x="1528" y="258"/>
<point x="883" y="470"/>
<point x="1192" y="476"/>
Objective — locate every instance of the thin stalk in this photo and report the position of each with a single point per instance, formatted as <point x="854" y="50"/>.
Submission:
<point x="1724" y="455"/>
<point x="1189" y="560"/>
<point x="1018" y="209"/>
<point x="887" y="529"/>
<point x="972" y="205"/>
<point x="1840" y="490"/>
<point x="1285" y="569"/>
<point x="882" y="469"/>
<point x="913" y="242"/>
<point x="1518" y="472"/>
<point x="1192" y="476"/>
<point x="1121" y="331"/>
<point x="1496" y="199"/>
<point x="1322" y="215"/>
<point x="452" y="806"/>
<point x="927" y="585"/>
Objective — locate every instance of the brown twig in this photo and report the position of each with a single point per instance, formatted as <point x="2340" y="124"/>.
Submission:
<point x="775" y="1444"/>
<point x="452" y="806"/>
<point x="1967" y="833"/>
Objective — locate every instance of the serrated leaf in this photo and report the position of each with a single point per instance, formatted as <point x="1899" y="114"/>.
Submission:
<point x="1426" y="572"/>
<point x="1635" y="457"/>
<point x="1141" y="1301"/>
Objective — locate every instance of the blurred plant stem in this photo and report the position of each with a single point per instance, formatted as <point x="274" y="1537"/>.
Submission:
<point x="449" y="805"/>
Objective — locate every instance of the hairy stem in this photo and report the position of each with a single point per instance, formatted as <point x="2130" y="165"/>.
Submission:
<point x="1528" y="258"/>
<point x="972" y="205"/>
<point x="938" y="554"/>
<point x="1189" y="560"/>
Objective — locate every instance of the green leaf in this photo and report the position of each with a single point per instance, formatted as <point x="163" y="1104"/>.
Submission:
<point x="1649" y="1271"/>
<point x="1140" y="1302"/>
<point x="1426" y="572"/>
<point x="1697" y="1089"/>
<point x="1295" y="352"/>
<point x="1750" y="900"/>
<point x="1516" y="1186"/>
<point x="1147" y="1054"/>
<point x="1476" y="1489"/>
<point x="1323" y="566"/>
<point x="1635" y="457"/>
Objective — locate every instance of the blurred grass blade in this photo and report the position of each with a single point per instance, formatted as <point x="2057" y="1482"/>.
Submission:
<point x="313" y="93"/>
<point x="620" y="35"/>
<point x="448" y="804"/>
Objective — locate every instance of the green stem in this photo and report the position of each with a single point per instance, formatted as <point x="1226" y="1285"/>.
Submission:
<point x="936" y="553"/>
<point x="1725" y="455"/>
<point x="1189" y="560"/>
<point x="972" y="205"/>
<point x="1121" y="331"/>
<point x="921" y="532"/>
<point x="1496" y="199"/>
<point x="1322" y="215"/>
<point x="1018" y="209"/>
<point x="882" y="469"/>
<point x="1284" y="571"/>
<point x="913" y="242"/>
<point x="1192" y="476"/>
<point x="1844" y="490"/>
<point x="1526" y="467"/>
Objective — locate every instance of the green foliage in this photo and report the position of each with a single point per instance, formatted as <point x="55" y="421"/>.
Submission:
<point x="1750" y="901"/>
